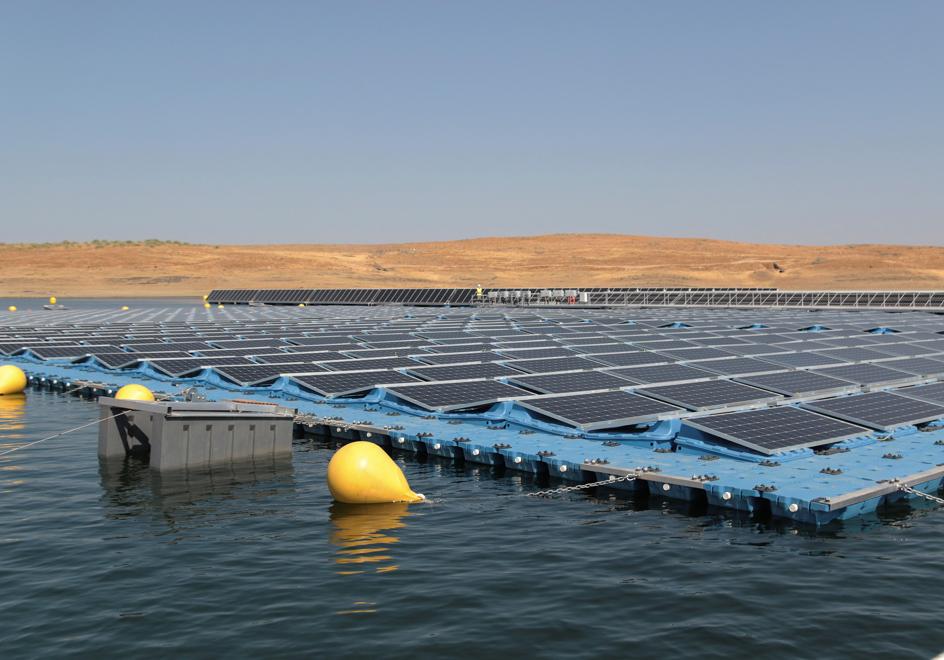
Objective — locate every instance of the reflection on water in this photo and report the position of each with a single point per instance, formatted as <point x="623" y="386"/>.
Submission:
<point x="12" y="434"/>
<point x="362" y="534"/>
<point x="188" y="499"/>
<point x="12" y="411"/>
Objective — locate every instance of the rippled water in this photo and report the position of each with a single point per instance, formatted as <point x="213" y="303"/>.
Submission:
<point x="111" y="560"/>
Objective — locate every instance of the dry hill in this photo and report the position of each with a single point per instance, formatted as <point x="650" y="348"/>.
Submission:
<point x="155" y="268"/>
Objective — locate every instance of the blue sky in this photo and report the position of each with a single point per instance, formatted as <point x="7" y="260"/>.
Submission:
<point x="349" y="121"/>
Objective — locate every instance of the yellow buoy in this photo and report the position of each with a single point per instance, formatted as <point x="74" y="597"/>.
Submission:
<point x="12" y="379"/>
<point x="206" y="305"/>
<point x="362" y="473"/>
<point x="52" y="300"/>
<point x="124" y="308"/>
<point x="11" y="308"/>
<point x="301" y="304"/>
<point x="135" y="392"/>
<point x="206" y="296"/>
<point x="220" y="306"/>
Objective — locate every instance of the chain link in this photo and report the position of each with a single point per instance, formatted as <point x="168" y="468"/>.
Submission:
<point x="914" y="491"/>
<point x="593" y="484"/>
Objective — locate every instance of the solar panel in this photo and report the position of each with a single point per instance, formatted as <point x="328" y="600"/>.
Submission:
<point x="68" y="352"/>
<point x="575" y="381"/>
<point x="368" y="363"/>
<point x="908" y="349"/>
<point x="933" y="393"/>
<point x="145" y="355"/>
<point x="336" y="384"/>
<point x="232" y="352"/>
<point x="861" y="340"/>
<point x="710" y="394"/>
<point x="383" y="336"/>
<point x="801" y="360"/>
<point x="258" y="374"/>
<point x="548" y="365"/>
<point x="274" y="342"/>
<point x="719" y="341"/>
<point x="160" y="347"/>
<point x="462" y="371"/>
<point x="800" y="383"/>
<point x="662" y="344"/>
<point x="879" y="410"/>
<point x="856" y="354"/>
<point x="437" y="335"/>
<point x="689" y="354"/>
<point x="532" y="353"/>
<point x="455" y="358"/>
<point x="307" y="342"/>
<point x="870" y="374"/>
<point x="378" y="352"/>
<point x="920" y="366"/>
<point x="453" y="396"/>
<point x="757" y="349"/>
<point x="600" y="410"/>
<point x="662" y="374"/>
<point x="181" y="367"/>
<point x="452" y="348"/>
<point x="589" y="349"/>
<point x="119" y="360"/>
<point x="308" y="349"/>
<point x="631" y="358"/>
<point x="739" y="366"/>
<point x="302" y="356"/>
<point x="586" y="340"/>
<point x="775" y="430"/>
<point x="805" y="345"/>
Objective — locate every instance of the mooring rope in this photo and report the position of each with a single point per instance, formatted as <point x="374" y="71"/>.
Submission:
<point x="62" y="433"/>
<point x="158" y="397"/>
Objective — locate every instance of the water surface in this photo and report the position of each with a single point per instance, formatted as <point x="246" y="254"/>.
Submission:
<point x="103" y="560"/>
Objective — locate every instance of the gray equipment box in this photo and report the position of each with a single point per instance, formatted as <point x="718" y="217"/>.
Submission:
<point x="184" y="434"/>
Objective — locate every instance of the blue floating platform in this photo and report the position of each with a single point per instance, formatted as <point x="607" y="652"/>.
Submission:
<point x="854" y="478"/>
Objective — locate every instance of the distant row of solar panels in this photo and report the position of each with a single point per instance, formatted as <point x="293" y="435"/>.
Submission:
<point x="593" y="296"/>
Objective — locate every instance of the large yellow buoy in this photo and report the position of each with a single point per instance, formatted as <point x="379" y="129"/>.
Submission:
<point x="135" y="392"/>
<point x="362" y="473"/>
<point x="52" y="300"/>
<point x="12" y="379"/>
<point x="11" y="308"/>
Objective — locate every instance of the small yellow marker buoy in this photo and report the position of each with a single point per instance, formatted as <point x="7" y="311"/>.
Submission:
<point x="206" y="296"/>
<point x="220" y="306"/>
<point x="362" y="473"/>
<point x="301" y="304"/>
<point x="12" y="379"/>
<point x="206" y="305"/>
<point x="135" y="392"/>
<point x="125" y="308"/>
<point x="52" y="300"/>
<point x="11" y="308"/>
